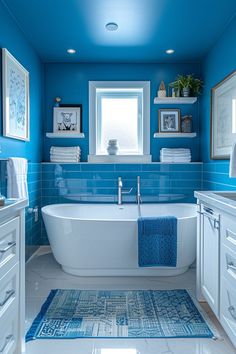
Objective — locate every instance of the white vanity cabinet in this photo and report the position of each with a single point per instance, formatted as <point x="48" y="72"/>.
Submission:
<point x="216" y="257"/>
<point x="228" y="275"/>
<point x="12" y="277"/>
<point x="209" y="251"/>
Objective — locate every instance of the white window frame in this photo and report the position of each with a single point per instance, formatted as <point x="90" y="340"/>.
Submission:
<point x="93" y="86"/>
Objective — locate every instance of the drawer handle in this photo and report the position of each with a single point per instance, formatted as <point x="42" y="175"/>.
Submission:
<point x="216" y="224"/>
<point x="215" y="221"/>
<point x="232" y="312"/>
<point x="8" y="247"/>
<point x="208" y="210"/>
<point x="231" y="266"/>
<point x="9" y="294"/>
<point x="8" y="339"/>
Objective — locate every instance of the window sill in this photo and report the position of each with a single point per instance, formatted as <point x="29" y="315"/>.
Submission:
<point x="119" y="158"/>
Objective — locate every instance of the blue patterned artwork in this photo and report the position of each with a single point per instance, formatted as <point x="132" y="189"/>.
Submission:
<point x="68" y="314"/>
<point x="15" y="98"/>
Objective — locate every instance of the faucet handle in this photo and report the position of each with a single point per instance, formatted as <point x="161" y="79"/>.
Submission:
<point x="127" y="191"/>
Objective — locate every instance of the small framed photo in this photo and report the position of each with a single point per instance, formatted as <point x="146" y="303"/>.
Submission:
<point x="169" y="120"/>
<point x="67" y="119"/>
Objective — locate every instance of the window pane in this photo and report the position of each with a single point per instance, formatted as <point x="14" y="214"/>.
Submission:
<point x="119" y="120"/>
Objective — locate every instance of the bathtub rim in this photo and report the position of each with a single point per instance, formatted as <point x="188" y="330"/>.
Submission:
<point x="113" y="204"/>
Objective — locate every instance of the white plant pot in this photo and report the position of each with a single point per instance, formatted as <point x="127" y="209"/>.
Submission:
<point x="186" y="92"/>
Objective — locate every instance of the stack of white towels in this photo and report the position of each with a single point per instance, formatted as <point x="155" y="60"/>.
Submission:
<point x="69" y="154"/>
<point x="175" y="155"/>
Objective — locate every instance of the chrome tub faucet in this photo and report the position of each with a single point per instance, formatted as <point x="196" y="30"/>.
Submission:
<point x="121" y="192"/>
<point x="139" y="200"/>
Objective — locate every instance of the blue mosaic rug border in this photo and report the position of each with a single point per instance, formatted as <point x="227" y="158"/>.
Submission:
<point x="31" y="334"/>
<point x="33" y="331"/>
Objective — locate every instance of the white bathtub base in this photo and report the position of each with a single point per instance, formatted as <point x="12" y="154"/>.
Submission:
<point x="102" y="240"/>
<point x="137" y="272"/>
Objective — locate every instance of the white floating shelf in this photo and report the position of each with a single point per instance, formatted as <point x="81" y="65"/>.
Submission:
<point x="175" y="135"/>
<point x="175" y="100"/>
<point x="65" y="135"/>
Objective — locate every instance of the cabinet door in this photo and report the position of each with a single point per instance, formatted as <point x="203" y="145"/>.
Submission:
<point x="210" y="259"/>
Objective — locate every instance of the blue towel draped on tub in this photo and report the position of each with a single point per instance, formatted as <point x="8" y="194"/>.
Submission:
<point x="157" y="241"/>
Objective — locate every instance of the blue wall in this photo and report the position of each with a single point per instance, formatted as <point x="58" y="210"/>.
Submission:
<point x="14" y="40"/>
<point x="70" y="81"/>
<point x="219" y="63"/>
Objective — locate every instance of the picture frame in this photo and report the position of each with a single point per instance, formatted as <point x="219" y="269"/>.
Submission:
<point x="67" y="119"/>
<point x="169" y="120"/>
<point x="223" y="117"/>
<point x="15" y="98"/>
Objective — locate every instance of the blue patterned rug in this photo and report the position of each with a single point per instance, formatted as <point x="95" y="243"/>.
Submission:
<point x="70" y="314"/>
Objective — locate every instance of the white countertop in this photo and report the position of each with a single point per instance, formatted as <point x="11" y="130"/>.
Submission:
<point x="11" y="206"/>
<point x="218" y="201"/>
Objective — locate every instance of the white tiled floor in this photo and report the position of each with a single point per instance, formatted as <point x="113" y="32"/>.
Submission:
<point x="44" y="274"/>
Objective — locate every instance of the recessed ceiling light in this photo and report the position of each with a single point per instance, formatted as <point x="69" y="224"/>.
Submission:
<point x="170" y="51"/>
<point x="71" y="51"/>
<point x="111" y="26"/>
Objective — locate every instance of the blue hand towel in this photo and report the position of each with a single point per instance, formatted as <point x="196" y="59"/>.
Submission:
<point x="157" y="241"/>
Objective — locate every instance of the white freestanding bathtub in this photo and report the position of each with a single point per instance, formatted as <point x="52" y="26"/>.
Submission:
<point x="102" y="239"/>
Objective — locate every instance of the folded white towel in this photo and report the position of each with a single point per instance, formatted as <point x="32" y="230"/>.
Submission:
<point x="175" y="159"/>
<point x="76" y="158"/>
<point x="17" y="169"/>
<point x="59" y="161"/>
<point x="70" y="155"/>
<point x="65" y="154"/>
<point x="175" y="155"/>
<point x="61" y="152"/>
<point x="175" y="150"/>
<point x="178" y="155"/>
<point x="65" y="149"/>
<point x="168" y="153"/>
<point x="64" y="159"/>
<point x="232" y="165"/>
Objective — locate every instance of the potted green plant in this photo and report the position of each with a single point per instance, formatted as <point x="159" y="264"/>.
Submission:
<point x="186" y="85"/>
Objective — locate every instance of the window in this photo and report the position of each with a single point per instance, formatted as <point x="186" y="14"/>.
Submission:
<point x="119" y="110"/>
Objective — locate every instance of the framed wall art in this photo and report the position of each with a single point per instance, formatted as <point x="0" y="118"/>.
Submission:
<point x="223" y="117"/>
<point x="15" y="84"/>
<point x="169" y="120"/>
<point x="67" y="119"/>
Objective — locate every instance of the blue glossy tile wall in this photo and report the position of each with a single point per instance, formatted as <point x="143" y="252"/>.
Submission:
<point x="33" y="228"/>
<point x="216" y="177"/>
<point x="67" y="183"/>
